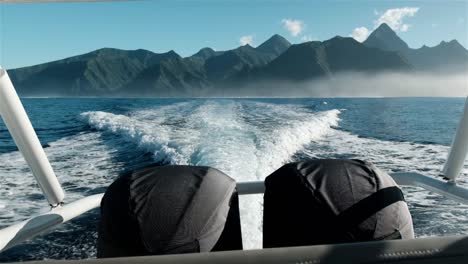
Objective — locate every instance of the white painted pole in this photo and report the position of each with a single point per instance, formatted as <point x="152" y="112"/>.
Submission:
<point x="15" y="234"/>
<point x="17" y="122"/>
<point x="459" y="149"/>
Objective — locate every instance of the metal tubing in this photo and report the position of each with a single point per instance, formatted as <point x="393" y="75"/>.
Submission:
<point x="448" y="189"/>
<point x="459" y="149"/>
<point x="15" y="234"/>
<point x="252" y="187"/>
<point x="17" y="122"/>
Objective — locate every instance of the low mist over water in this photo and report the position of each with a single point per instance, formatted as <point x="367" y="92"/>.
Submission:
<point x="354" y="84"/>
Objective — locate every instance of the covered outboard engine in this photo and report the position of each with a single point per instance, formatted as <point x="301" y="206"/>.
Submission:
<point x="169" y="210"/>
<point x="333" y="201"/>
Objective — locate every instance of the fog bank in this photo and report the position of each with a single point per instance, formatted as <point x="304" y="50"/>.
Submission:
<point x="352" y="84"/>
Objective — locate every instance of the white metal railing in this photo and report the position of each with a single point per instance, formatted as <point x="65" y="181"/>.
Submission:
<point x="457" y="155"/>
<point x="17" y="122"/>
<point x="448" y="189"/>
<point x="39" y="224"/>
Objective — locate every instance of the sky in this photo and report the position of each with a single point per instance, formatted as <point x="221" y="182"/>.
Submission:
<point x="41" y="32"/>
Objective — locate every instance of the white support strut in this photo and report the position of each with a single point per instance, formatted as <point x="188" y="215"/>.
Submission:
<point x="17" y="122"/>
<point x="459" y="149"/>
<point x="15" y="234"/>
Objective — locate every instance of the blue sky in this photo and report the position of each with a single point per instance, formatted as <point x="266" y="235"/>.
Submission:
<point x="37" y="33"/>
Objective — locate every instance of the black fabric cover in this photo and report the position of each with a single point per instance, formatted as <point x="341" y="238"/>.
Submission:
<point x="332" y="201"/>
<point x="169" y="210"/>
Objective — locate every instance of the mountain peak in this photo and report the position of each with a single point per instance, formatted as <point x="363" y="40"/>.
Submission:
<point x="106" y="51"/>
<point x="336" y="38"/>
<point x="171" y="54"/>
<point x="384" y="27"/>
<point x="276" y="45"/>
<point x="277" y="38"/>
<point x="207" y="49"/>
<point x="453" y="43"/>
<point x="383" y="37"/>
<point x="205" y="53"/>
<point x="245" y="47"/>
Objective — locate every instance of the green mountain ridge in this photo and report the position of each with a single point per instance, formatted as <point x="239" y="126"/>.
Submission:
<point x="315" y="59"/>
<point x="115" y="72"/>
<point x="447" y="56"/>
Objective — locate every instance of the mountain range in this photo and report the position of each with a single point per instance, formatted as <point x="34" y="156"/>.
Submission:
<point x="138" y="73"/>
<point x="447" y="56"/>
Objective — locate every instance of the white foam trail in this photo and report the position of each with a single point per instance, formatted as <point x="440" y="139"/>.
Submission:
<point x="296" y="129"/>
<point x="140" y="133"/>
<point x="81" y="163"/>
<point x="246" y="140"/>
<point x="390" y="155"/>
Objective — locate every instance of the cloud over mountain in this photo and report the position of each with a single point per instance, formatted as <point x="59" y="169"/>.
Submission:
<point x="360" y="34"/>
<point x="293" y="26"/>
<point x="394" y="18"/>
<point x="248" y="39"/>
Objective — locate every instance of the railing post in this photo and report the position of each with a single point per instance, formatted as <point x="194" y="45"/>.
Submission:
<point x="17" y="122"/>
<point x="459" y="149"/>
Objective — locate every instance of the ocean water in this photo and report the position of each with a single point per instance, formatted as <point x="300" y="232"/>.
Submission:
<point x="91" y="141"/>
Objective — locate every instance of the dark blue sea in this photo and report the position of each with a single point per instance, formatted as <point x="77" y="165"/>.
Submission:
<point x="91" y="141"/>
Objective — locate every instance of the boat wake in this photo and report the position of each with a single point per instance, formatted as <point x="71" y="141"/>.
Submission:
<point x="246" y="139"/>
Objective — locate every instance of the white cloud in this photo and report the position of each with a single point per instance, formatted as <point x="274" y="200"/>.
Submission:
<point x="294" y="26"/>
<point x="360" y="34"/>
<point x="248" y="39"/>
<point x="308" y="38"/>
<point x="394" y="18"/>
<point x="404" y="27"/>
